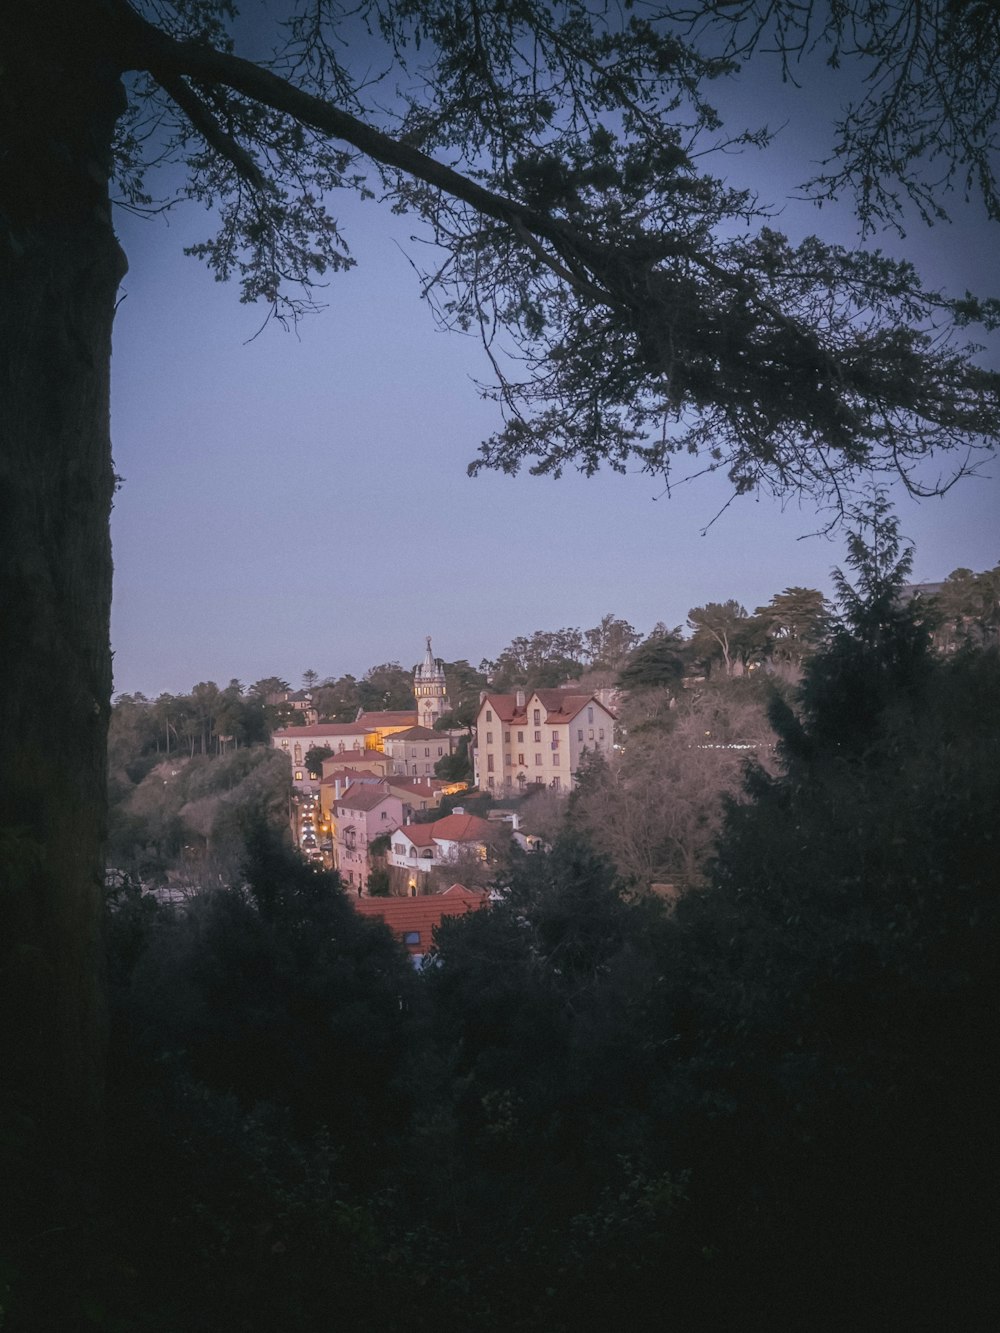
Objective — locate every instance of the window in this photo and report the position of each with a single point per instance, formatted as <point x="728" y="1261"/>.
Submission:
<point x="555" y="758"/>
<point x="556" y="784"/>
<point x="538" y="737"/>
<point x="489" y="763"/>
<point x="538" y="761"/>
<point x="489" y="716"/>
<point x="508" y="759"/>
<point x="520" y="738"/>
<point x="536" y="717"/>
<point x="489" y="782"/>
<point x="411" y="937"/>
<point x="590" y="717"/>
<point x="413" y="752"/>
<point x="600" y="734"/>
<point x="298" y="776"/>
<point x="427" y="768"/>
<point x="399" y="849"/>
<point x="441" y="750"/>
<point x="385" y="814"/>
<point x="506" y="738"/>
<point x="520" y="760"/>
<point x="427" y="752"/>
<point x="489" y="738"/>
<point x="579" y="735"/>
<point x="284" y="745"/>
<point x="298" y="753"/>
<point x="590" y="734"/>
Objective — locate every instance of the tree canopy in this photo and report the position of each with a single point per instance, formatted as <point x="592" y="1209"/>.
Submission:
<point x="634" y="306"/>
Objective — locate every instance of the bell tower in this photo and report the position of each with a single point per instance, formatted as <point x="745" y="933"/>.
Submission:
<point x="429" y="688"/>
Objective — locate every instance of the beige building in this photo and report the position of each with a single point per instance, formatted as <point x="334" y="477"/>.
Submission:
<point x="296" y="742"/>
<point x="524" y="740"/>
<point x="416" y="750"/>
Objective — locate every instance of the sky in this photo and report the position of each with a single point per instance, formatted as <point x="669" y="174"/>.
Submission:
<point x="299" y="501"/>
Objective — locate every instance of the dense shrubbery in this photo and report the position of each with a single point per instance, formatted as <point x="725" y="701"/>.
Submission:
<point x="771" y="1103"/>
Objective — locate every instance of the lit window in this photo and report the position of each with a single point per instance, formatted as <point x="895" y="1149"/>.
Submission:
<point x="298" y="776"/>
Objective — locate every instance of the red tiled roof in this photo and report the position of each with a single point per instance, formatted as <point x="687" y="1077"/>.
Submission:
<point x="349" y="775"/>
<point x="419" y="916"/>
<point x="421" y="835"/>
<point x="363" y="797"/>
<point x="463" y="828"/>
<point x="390" y="719"/>
<point x="358" y="756"/>
<point x="560" y="705"/>
<point x="416" y="734"/>
<point x="316" y="729"/>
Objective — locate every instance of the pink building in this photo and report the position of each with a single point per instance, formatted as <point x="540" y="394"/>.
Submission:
<point x="363" y="813"/>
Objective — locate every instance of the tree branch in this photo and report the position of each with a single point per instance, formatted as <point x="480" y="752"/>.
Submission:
<point x="212" y="132"/>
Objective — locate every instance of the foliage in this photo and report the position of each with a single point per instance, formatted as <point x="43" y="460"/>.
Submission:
<point x="968" y="609"/>
<point x="657" y="663"/>
<point x="190" y="815"/>
<point x="656" y="810"/>
<point x="542" y="660"/>
<point x="455" y="767"/>
<point x="278" y="992"/>
<point x="656" y="311"/>
<point x="723" y="632"/>
<point x="313" y="759"/>
<point x="386" y="687"/>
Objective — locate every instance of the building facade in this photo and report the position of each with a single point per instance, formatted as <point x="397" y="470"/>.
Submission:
<point x="538" y="739"/>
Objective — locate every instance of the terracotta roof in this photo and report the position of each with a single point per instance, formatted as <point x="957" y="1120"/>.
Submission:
<point x="322" y="729"/>
<point x="400" y="719"/>
<point x="349" y="775"/>
<point x="418" y="916"/>
<point x="415" y="734"/>
<point x="421" y="835"/>
<point x="349" y="757"/>
<point x="561" y="705"/>
<point x="463" y="828"/>
<point x="364" y="796"/>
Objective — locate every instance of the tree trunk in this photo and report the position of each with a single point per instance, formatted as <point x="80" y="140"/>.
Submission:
<point x="60" y="267"/>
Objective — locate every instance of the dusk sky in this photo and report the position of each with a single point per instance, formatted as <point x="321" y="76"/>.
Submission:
<point x="301" y="500"/>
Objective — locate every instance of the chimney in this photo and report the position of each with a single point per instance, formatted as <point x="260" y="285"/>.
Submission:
<point x="519" y="698"/>
<point x="458" y="810"/>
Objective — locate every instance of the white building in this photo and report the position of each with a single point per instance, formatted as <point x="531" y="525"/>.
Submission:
<point x="539" y="738"/>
